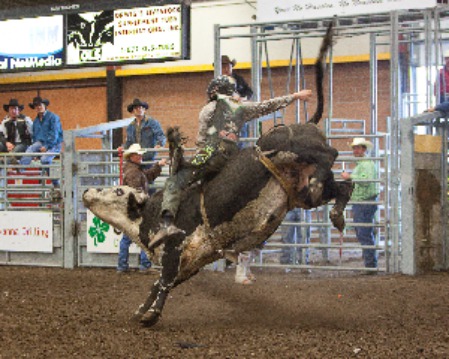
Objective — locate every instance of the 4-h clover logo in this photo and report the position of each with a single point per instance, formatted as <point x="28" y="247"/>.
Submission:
<point x="98" y="230"/>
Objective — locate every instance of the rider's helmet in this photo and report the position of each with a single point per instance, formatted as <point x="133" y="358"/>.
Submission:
<point x="223" y="85"/>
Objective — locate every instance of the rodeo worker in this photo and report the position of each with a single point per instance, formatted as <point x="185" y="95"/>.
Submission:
<point x="137" y="177"/>
<point x="220" y="122"/>
<point x="241" y="86"/>
<point x="364" y="191"/>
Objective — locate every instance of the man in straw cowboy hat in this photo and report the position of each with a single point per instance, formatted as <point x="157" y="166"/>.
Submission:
<point x="137" y="177"/>
<point x="364" y="170"/>
<point x="15" y="130"/>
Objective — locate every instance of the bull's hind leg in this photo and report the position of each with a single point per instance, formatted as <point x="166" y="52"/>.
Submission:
<point x="343" y="194"/>
<point x="170" y="261"/>
<point x="317" y="182"/>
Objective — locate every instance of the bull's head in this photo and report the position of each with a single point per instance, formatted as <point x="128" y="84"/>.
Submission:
<point x="120" y="206"/>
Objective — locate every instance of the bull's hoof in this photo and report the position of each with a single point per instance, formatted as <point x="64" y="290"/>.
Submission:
<point x="137" y="316"/>
<point x="150" y="318"/>
<point x="337" y="218"/>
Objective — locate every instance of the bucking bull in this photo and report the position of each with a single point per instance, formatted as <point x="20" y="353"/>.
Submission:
<point x="238" y="209"/>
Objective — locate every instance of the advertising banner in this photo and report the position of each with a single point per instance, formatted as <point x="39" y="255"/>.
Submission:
<point x="102" y="237"/>
<point x="124" y="35"/>
<point x="26" y="231"/>
<point x="291" y="10"/>
<point x="33" y="43"/>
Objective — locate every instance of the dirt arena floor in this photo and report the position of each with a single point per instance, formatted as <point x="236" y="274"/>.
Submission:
<point x="84" y="313"/>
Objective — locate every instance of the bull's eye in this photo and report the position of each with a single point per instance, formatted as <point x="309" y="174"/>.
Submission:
<point x="120" y="192"/>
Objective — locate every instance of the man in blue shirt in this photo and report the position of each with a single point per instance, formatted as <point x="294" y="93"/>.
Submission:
<point x="47" y="134"/>
<point x="144" y="130"/>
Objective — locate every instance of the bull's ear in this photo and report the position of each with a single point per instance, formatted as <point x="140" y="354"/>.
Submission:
<point x="134" y="207"/>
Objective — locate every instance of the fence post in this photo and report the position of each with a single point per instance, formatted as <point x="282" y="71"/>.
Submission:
<point x="70" y="201"/>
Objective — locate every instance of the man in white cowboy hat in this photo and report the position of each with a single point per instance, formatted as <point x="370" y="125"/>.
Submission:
<point x="144" y="130"/>
<point x="137" y="177"/>
<point x="15" y="130"/>
<point x="47" y="134"/>
<point x="364" y="191"/>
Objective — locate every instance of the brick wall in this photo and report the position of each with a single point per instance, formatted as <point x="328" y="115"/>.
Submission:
<point x="177" y="99"/>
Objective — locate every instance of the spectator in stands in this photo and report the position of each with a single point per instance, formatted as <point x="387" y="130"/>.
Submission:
<point x="364" y="191"/>
<point x="242" y="88"/>
<point x="15" y="130"/>
<point x="144" y="130"/>
<point x="443" y="80"/>
<point x="442" y="107"/>
<point x="47" y="134"/>
<point x="137" y="177"/>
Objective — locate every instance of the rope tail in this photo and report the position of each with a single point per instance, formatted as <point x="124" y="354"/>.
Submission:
<point x="319" y="74"/>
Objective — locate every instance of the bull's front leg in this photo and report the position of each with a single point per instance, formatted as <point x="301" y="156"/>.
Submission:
<point x="151" y="310"/>
<point x="143" y="308"/>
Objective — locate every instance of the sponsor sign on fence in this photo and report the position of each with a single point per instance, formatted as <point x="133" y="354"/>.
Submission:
<point x="26" y="231"/>
<point x="102" y="237"/>
<point x="288" y="10"/>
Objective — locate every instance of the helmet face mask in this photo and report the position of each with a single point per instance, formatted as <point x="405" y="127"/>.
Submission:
<point x="221" y="85"/>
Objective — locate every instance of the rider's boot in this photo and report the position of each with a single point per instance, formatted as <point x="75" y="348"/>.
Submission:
<point x="166" y="231"/>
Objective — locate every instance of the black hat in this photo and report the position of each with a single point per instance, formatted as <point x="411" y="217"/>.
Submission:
<point x="137" y="103"/>
<point x="13" y="102"/>
<point x="38" y="100"/>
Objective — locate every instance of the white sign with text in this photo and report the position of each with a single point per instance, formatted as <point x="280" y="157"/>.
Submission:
<point x="102" y="237"/>
<point x="288" y="10"/>
<point x="26" y="231"/>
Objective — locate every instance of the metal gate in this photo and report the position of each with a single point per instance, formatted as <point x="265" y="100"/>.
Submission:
<point x="31" y="212"/>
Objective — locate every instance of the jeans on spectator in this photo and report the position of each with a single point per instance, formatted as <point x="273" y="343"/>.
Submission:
<point x="123" y="256"/>
<point x="45" y="159"/>
<point x="19" y="147"/>
<point x="292" y="235"/>
<point x="364" y="213"/>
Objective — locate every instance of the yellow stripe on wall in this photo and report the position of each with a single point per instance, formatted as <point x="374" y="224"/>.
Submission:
<point x="61" y="76"/>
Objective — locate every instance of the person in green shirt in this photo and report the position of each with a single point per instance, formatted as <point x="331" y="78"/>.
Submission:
<point x="364" y="171"/>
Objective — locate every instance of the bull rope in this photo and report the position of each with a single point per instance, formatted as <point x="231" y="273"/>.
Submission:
<point x="286" y="185"/>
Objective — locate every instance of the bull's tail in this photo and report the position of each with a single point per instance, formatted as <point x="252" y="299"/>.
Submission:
<point x="319" y="74"/>
<point x="175" y="145"/>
